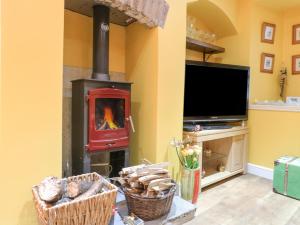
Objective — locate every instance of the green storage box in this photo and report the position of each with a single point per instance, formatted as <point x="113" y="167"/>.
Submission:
<point x="286" y="179"/>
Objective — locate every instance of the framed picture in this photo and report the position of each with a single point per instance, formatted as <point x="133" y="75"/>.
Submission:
<point x="268" y="32"/>
<point x="267" y="63"/>
<point x="296" y="64"/>
<point x="296" y="34"/>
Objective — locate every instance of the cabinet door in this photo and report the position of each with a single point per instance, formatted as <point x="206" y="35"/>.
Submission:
<point x="237" y="153"/>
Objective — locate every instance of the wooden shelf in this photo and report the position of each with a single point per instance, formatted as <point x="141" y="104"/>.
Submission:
<point x="214" y="156"/>
<point x="204" y="47"/>
<point x="211" y="179"/>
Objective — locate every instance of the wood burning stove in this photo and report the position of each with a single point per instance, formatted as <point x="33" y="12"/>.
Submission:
<point x="101" y="125"/>
<point x="100" y="111"/>
<point x="109" y="119"/>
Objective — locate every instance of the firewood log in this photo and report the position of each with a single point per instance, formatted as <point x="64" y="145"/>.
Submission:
<point x="151" y="171"/>
<point x="166" y="186"/>
<point x="132" y="169"/>
<point x="76" y="188"/>
<point x="135" y="185"/>
<point x="50" y="189"/>
<point x="94" y="189"/>
<point x="134" y="190"/>
<point x="162" y="187"/>
<point x="148" y="178"/>
<point x="149" y="194"/>
<point x="158" y="181"/>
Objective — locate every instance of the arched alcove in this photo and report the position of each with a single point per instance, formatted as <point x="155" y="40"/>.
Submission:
<point x="214" y="17"/>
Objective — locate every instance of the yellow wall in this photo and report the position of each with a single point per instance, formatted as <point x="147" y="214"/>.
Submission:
<point x="290" y="18"/>
<point x="78" y="43"/>
<point x="273" y="134"/>
<point x="155" y="63"/>
<point x="142" y="69"/>
<point x="32" y="59"/>
<point x="230" y="8"/>
<point x="237" y="46"/>
<point x="1" y="128"/>
<point x="170" y="89"/>
<point x="263" y="85"/>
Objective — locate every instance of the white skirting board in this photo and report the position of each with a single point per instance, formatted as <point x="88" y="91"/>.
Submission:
<point x="260" y="171"/>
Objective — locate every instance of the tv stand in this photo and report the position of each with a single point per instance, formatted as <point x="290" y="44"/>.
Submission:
<point x="228" y="148"/>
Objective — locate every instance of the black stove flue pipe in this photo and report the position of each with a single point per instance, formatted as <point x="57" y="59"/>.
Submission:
<point x="101" y="43"/>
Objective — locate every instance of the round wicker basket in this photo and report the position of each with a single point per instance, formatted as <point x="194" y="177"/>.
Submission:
<point x="149" y="208"/>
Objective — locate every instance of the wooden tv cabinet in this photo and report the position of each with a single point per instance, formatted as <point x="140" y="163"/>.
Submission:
<point x="229" y="147"/>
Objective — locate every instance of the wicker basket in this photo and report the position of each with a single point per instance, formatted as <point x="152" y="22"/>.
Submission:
<point x="95" y="210"/>
<point x="149" y="208"/>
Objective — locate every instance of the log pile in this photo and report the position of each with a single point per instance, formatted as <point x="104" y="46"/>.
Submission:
<point x="54" y="191"/>
<point x="150" y="12"/>
<point x="149" y="181"/>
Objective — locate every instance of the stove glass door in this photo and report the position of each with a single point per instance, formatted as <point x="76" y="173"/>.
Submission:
<point x="109" y="113"/>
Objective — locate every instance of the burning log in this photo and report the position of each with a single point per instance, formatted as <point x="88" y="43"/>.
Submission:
<point x="102" y="126"/>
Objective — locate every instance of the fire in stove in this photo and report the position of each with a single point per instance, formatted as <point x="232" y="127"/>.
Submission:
<point x="109" y="114"/>
<point x="109" y="118"/>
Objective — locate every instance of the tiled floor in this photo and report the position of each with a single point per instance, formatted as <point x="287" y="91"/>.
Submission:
<point x="246" y="200"/>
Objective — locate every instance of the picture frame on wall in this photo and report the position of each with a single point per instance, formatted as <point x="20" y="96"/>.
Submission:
<point x="296" y="64"/>
<point x="296" y="34"/>
<point x="268" y="33"/>
<point x="267" y="63"/>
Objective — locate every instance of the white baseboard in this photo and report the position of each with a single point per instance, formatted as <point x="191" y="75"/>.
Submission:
<point x="260" y="171"/>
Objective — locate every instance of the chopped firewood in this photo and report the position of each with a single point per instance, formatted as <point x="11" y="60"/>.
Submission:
<point x="148" y="181"/>
<point x="166" y="186"/>
<point x="76" y="188"/>
<point x="149" y="194"/>
<point x="151" y="171"/>
<point x="158" y="181"/>
<point x="132" y="169"/>
<point x="162" y="187"/>
<point x="94" y="189"/>
<point x="148" y="178"/>
<point x="50" y="189"/>
<point x="135" y="190"/>
<point x="135" y="184"/>
<point x="154" y="166"/>
<point x="120" y="180"/>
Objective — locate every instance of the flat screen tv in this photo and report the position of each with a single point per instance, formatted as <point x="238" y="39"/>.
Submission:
<point x="215" y="92"/>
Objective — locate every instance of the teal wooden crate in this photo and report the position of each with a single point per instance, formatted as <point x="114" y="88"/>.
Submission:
<point x="286" y="178"/>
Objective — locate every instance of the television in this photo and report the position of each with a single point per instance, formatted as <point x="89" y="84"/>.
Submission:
<point x="215" y="92"/>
